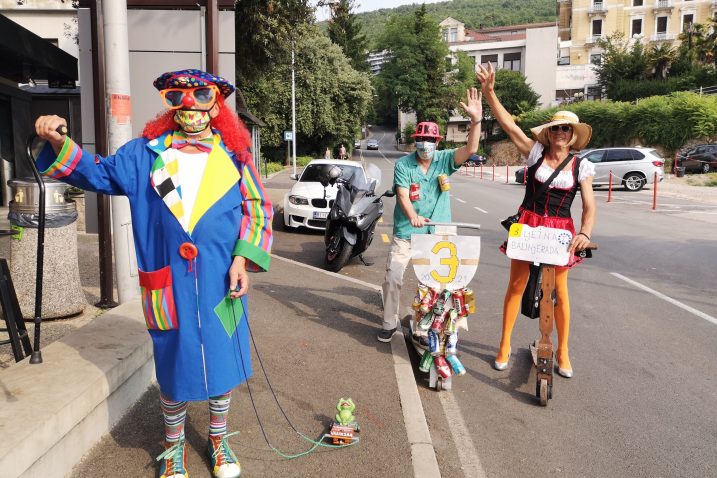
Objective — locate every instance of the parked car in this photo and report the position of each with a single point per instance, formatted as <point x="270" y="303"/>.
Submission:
<point x="698" y="159"/>
<point x="372" y="144"/>
<point x="305" y="205"/>
<point x="476" y="160"/>
<point x="357" y="144"/>
<point x="632" y="168"/>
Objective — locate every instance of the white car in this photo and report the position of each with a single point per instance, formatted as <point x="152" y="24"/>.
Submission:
<point x="305" y="204"/>
<point x="631" y="167"/>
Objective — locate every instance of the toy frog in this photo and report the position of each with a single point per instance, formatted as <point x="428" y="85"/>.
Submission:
<point x="345" y="416"/>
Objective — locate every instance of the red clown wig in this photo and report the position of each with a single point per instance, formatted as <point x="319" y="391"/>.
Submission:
<point x="232" y="130"/>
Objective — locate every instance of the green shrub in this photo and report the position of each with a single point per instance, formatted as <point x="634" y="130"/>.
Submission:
<point x="665" y="121"/>
<point x="272" y="167"/>
<point x="303" y="160"/>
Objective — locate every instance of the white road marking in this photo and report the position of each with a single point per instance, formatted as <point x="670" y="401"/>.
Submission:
<point x="481" y="210"/>
<point x="467" y="454"/>
<point x="459" y="200"/>
<point x="672" y="301"/>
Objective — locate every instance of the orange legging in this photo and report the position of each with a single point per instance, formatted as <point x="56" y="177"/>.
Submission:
<point x="519" y="273"/>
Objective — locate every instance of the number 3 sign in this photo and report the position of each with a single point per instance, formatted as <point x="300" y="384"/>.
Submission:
<point x="445" y="262"/>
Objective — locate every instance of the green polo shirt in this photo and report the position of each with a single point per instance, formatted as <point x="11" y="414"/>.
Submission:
<point x="433" y="204"/>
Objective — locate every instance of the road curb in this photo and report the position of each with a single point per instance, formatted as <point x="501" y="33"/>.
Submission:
<point x="423" y="454"/>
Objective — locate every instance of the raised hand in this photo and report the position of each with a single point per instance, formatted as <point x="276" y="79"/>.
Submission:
<point x="474" y="106"/>
<point x="486" y="78"/>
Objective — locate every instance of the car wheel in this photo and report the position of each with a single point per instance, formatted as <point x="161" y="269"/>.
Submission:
<point x="634" y="182"/>
<point x="705" y="168"/>
<point x="285" y="225"/>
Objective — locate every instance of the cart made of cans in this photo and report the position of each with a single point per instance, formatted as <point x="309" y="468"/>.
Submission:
<point x="444" y="263"/>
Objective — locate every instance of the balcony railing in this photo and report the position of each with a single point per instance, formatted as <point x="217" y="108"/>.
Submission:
<point x="592" y="39"/>
<point x="663" y="36"/>
<point x="597" y="8"/>
<point x="663" y="5"/>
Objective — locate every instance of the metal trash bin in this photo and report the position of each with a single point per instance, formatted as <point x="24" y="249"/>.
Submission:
<point x="680" y="172"/>
<point x="61" y="287"/>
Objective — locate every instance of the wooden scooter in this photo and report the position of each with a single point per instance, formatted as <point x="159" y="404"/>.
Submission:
<point x="542" y="349"/>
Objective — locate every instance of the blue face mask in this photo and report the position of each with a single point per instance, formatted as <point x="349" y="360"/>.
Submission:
<point x="425" y="150"/>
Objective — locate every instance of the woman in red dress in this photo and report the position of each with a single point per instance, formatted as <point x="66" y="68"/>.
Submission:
<point x="553" y="143"/>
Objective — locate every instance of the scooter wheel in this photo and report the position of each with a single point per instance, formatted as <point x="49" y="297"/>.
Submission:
<point x="542" y="392"/>
<point x="439" y="385"/>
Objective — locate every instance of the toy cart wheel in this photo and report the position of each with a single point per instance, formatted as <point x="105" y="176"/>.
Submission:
<point x="542" y="392"/>
<point x="439" y="385"/>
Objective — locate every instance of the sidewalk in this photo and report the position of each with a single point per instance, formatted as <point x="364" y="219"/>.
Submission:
<point x="317" y="341"/>
<point x="315" y="332"/>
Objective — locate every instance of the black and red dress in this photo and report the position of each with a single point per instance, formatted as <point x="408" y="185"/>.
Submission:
<point x="552" y="208"/>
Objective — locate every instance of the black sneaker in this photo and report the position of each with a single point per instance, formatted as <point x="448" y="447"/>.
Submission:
<point x="386" y="335"/>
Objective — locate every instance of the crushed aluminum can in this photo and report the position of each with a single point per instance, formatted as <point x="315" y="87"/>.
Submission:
<point x="470" y="301"/>
<point x="426" y="321"/>
<point x="452" y="344"/>
<point x="439" y="321"/>
<point x="434" y="343"/>
<point x="456" y="365"/>
<point x="420" y="294"/>
<point x="428" y="301"/>
<point x="459" y="303"/>
<point x="426" y="362"/>
<point x="450" y="326"/>
<point x="444" y="370"/>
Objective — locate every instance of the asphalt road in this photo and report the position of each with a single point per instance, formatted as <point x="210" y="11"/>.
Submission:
<point x="643" y="341"/>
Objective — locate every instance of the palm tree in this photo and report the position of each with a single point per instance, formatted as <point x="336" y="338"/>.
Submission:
<point x="659" y="60"/>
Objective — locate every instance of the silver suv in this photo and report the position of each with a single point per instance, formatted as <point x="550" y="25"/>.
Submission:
<point x="631" y="167"/>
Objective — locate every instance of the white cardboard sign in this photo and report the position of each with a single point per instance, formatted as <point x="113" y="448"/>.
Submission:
<point x="445" y="261"/>
<point x="546" y="245"/>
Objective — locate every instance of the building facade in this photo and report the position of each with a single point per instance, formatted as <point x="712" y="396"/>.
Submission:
<point x="583" y="22"/>
<point x="531" y="49"/>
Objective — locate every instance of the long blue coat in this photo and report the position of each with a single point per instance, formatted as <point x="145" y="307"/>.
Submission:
<point x="201" y="344"/>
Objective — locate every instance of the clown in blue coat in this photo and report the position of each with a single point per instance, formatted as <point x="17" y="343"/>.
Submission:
<point x="201" y="220"/>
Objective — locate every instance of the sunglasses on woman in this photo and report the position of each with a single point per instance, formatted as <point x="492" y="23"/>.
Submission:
<point x="561" y="127"/>
<point x="173" y="98"/>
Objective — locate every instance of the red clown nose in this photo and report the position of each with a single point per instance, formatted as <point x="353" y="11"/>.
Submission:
<point x="188" y="101"/>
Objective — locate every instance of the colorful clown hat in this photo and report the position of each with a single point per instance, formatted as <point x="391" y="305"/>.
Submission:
<point x="192" y="79"/>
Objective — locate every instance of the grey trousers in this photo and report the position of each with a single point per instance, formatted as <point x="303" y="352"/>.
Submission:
<point x="398" y="259"/>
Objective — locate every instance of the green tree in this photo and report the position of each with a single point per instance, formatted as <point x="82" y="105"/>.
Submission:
<point x="331" y="97"/>
<point x="514" y="91"/>
<point x="264" y="31"/>
<point x="413" y="80"/>
<point x="346" y="32"/>
<point x="620" y="61"/>
<point x="660" y="59"/>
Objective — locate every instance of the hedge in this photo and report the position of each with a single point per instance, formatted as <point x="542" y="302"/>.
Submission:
<point x="665" y="121"/>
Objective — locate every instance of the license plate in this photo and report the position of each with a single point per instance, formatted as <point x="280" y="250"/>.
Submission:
<point x="320" y="215"/>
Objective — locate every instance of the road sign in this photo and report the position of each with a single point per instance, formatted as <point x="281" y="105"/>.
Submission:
<point x="288" y="135"/>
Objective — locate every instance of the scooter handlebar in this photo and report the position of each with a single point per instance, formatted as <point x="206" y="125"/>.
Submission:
<point x="455" y="224"/>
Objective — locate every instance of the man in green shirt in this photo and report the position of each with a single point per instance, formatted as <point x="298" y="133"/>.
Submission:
<point x="420" y="200"/>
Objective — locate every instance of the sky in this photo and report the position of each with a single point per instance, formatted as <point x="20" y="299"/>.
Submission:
<point x="322" y="13"/>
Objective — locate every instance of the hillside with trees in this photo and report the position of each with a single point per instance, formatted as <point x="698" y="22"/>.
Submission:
<point x="474" y="13"/>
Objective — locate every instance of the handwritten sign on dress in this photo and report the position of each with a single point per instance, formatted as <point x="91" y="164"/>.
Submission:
<point x="546" y="245"/>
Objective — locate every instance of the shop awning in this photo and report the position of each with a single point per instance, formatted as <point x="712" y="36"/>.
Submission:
<point x="26" y="55"/>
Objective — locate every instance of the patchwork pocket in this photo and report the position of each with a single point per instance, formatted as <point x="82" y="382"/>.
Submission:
<point x="157" y="299"/>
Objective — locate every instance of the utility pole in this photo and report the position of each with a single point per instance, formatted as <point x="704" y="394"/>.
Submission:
<point x="119" y="125"/>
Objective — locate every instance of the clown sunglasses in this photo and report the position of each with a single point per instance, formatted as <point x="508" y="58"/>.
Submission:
<point x="561" y="127"/>
<point x="173" y="98"/>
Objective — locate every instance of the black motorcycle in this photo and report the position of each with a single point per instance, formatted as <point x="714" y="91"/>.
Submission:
<point x="353" y="215"/>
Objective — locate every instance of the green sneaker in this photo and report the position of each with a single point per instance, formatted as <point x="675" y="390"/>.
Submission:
<point x="224" y="462"/>
<point x="173" y="459"/>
